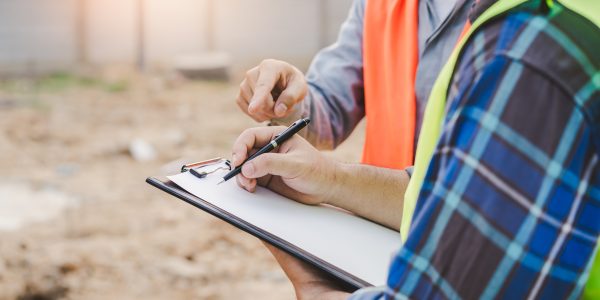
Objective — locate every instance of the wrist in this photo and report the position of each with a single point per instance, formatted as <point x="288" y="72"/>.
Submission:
<point x="319" y="289"/>
<point x="334" y="186"/>
<point x="326" y="293"/>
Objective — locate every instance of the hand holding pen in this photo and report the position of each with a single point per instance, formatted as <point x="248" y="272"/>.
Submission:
<point x="278" y="140"/>
<point x="295" y="169"/>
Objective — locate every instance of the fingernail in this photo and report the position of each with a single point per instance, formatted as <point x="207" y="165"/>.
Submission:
<point x="248" y="169"/>
<point x="280" y="109"/>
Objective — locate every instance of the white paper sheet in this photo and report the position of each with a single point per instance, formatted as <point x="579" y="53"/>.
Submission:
<point x="357" y="246"/>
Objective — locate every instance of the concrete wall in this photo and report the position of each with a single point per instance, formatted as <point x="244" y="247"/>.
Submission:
<point x="45" y="35"/>
<point x="36" y="32"/>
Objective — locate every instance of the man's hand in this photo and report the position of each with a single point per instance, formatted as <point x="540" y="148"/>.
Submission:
<point x="270" y="90"/>
<point x="296" y="169"/>
<point x="299" y="171"/>
<point x="309" y="282"/>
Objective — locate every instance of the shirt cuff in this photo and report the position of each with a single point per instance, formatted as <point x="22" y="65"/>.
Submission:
<point x="370" y="293"/>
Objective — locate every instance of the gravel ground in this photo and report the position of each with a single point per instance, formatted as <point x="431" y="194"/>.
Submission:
<point x="115" y="237"/>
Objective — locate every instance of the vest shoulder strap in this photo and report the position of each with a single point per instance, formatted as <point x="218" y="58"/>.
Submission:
<point x="434" y="114"/>
<point x="589" y="9"/>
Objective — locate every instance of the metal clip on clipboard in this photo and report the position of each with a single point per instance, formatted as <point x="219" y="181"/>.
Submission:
<point x="202" y="169"/>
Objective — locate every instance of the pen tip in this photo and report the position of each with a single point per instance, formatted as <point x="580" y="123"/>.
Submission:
<point x="222" y="180"/>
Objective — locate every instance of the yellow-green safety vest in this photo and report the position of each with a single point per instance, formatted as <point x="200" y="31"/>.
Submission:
<point x="434" y="116"/>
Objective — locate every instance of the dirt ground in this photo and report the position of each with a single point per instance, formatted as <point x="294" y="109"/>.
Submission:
<point x="123" y="239"/>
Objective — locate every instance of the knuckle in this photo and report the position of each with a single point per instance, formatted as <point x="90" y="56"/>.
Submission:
<point x="238" y="146"/>
<point x="242" y="140"/>
<point x="247" y="132"/>
<point x="252" y="109"/>
<point x="297" y="72"/>
<point x="261" y="84"/>
<point x="267" y="61"/>
<point x="239" y="102"/>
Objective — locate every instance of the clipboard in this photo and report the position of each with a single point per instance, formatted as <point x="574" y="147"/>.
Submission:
<point x="206" y="168"/>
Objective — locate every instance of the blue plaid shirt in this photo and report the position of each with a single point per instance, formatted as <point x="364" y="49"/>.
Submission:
<point x="510" y="206"/>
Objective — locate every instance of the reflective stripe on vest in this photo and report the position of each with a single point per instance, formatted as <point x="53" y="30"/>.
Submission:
<point x="434" y="116"/>
<point x="390" y="58"/>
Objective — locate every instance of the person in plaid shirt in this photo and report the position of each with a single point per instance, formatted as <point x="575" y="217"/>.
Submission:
<point x="510" y="204"/>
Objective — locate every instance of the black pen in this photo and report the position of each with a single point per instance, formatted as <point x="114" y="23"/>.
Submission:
<point x="278" y="140"/>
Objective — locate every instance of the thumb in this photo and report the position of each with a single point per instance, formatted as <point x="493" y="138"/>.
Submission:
<point x="285" y="102"/>
<point x="271" y="163"/>
<point x="294" y="92"/>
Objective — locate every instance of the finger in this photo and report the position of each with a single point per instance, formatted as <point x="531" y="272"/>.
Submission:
<point x="253" y="138"/>
<point x="242" y="102"/>
<point x="252" y="76"/>
<point x="261" y="103"/>
<point x="279" y="255"/>
<point x="246" y="90"/>
<point x="241" y="181"/>
<point x="262" y="98"/>
<point x="252" y="186"/>
<point x="271" y="163"/>
<point x="293" y="93"/>
<point x="295" y="269"/>
<point x="264" y="181"/>
<point x="246" y="183"/>
<point x="236" y="159"/>
<point x="243" y="105"/>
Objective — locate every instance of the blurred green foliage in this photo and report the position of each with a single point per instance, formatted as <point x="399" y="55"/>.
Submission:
<point x="59" y="82"/>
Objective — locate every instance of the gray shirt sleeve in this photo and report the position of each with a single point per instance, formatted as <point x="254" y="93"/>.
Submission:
<point x="335" y="98"/>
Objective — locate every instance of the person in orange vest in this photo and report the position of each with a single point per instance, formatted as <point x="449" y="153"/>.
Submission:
<point x="382" y="66"/>
<point x="504" y="202"/>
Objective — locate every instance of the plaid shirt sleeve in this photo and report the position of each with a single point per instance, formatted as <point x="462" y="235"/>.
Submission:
<point x="510" y="206"/>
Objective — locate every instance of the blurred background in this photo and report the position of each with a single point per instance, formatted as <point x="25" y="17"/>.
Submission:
<point x="97" y="95"/>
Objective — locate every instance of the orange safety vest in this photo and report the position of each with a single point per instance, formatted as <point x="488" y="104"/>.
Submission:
<point x="390" y="59"/>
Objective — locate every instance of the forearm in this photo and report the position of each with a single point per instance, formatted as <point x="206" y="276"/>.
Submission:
<point x="374" y="193"/>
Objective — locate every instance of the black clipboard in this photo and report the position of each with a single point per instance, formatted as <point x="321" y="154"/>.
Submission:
<point x="348" y="281"/>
